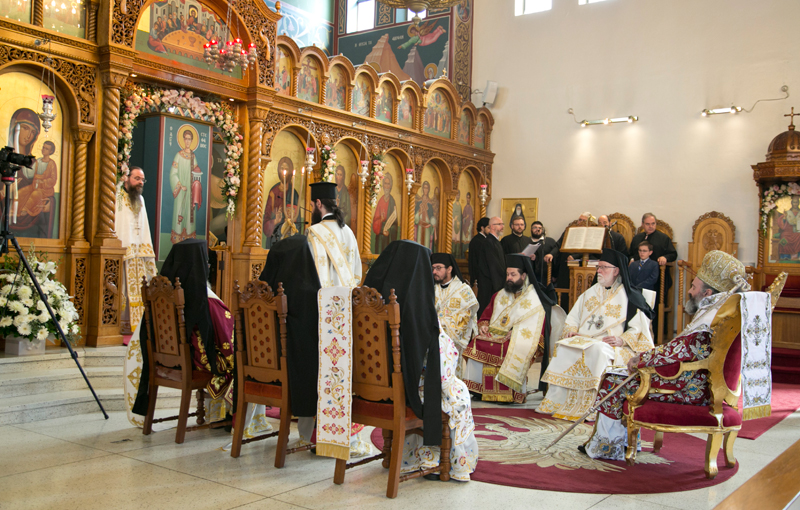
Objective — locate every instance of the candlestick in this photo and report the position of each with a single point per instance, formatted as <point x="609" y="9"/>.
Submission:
<point x="409" y="178"/>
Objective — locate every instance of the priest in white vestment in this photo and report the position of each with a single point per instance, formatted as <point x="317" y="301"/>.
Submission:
<point x="456" y="304"/>
<point x="338" y="263"/>
<point x="139" y="261"/>
<point x="608" y="325"/>
<point x="511" y="330"/>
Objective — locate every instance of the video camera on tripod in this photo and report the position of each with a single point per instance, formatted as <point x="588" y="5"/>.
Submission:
<point x="11" y="161"/>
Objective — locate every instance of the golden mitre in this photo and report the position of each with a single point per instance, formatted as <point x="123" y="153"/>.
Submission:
<point x="721" y="270"/>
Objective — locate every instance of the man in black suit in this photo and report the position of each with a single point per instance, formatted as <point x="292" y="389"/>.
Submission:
<point x="490" y="264"/>
<point x="663" y="252"/>
<point x="474" y="249"/>
<point x="617" y="239"/>
<point x="516" y="241"/>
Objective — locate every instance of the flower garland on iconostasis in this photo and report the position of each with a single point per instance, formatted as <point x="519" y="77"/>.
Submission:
<point x="771" y="196"/>
<point x="328" y="162"/>
<point x="137" y="99"/>
<point x="376" y="178"/>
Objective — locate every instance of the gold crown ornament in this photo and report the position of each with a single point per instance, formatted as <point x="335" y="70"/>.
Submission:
<point x="721" y="271"/>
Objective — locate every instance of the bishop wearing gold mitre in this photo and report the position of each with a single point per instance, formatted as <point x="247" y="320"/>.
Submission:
<point x="511" y="331"/>
<point x="608" y="325"/>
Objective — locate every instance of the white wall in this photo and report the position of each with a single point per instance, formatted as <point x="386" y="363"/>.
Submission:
<point x="663" y="60"/>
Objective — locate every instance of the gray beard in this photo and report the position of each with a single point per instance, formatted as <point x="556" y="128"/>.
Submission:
<point x="691" y="306"/>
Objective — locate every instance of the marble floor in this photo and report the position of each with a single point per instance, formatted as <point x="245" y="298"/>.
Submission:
<point x="86" y="462"/>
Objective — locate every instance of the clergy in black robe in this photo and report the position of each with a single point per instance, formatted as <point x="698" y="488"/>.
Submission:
<point x="617" y="240"/>
<point x="546" y="246"/>
<point x="516" y="241"/>
<point x="474" y="250"/>
<point x="405" y="267"/>
<point x="491" y="271"/>
<point x="291" y="263"/>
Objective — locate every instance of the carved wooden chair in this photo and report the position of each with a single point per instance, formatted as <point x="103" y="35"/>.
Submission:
<point x="379" y="397"/>
<point x="721" y="419"/>
<point x="169" y="355"/>
<point x="666" y="300"/>
<point x="711" y="231"/>
<point x="261" y="372"/>
<point x="624" y="226"/>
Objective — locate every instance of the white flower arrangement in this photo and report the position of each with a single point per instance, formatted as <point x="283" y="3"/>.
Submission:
<point x="135" y="100"/>
<point x="327" y="164"/>
<point x="24" y="314"/>
<point x="769" y="200"/>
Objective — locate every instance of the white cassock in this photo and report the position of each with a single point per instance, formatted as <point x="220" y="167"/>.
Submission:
<point x="457" y="308"/>
<point x="139" y="261"/>
<point x="338" y="263"/>
<point x="577" y="364"/>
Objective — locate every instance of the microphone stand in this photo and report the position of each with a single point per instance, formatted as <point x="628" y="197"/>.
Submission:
<point x="8" y="172"/>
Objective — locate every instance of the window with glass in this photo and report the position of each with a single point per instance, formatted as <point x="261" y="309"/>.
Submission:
<point x="360" y="15"/>
<point x="530" y="6"/>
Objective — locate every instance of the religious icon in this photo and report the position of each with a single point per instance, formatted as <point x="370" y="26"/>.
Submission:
<point x="467" y="225"/>
<point x="335" y="89"/>
<point x="283" y="74"/>
<point x="464" y="10"/>
<point x="479" y="136"/>
<point x="384" y="104"/>
<point x="385" y="221"/>
<point x="274" y="211"/>
<point x="19" y="10"/>
<point x="426" y="217"/>
<point x="308" y="80"/>
<point x="343" y="194"/>
<point x="425" y="34"/>
<point x="438" y="116"/>
<point x="405" y="112"/>
<point x="786" y="231"/>
<point x="457" y="215"/>
<point x="463" y="128"/>
<point x="513" y="208"/>
<point x="361" y="97"/>
<point x="185" y="179"/>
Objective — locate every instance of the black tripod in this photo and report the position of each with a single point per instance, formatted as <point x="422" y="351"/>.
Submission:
<point x="8" y="171"/>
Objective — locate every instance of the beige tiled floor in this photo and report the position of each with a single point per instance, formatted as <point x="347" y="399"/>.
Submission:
<point x="85" y="462"/>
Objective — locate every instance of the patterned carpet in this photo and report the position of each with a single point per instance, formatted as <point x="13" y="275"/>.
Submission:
<point x="512" y="440"/>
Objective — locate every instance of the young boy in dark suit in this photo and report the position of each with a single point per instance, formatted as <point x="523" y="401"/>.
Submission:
<point x="644" y="272"/>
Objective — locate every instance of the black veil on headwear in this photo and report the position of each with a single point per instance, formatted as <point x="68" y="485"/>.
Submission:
<point x="548" y="299"/>
<point x="636" y="300"/>
<point x="291" y="263"/>
<point x="188" y="260"/>
<point x="405" y="267"/>
<point x="447" y="260"/>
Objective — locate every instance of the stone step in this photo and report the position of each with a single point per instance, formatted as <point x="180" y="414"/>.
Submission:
<point x="32" y="382"/>
<point x="57" y="404"/>
<point x="60" y="358"/>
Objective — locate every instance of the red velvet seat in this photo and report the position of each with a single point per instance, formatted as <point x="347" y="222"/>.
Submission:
<point x="680" y="415"/>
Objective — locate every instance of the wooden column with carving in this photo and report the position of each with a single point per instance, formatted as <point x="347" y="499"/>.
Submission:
<point x="448" y="233"/>
<point x="91" y="20"/>
<point x="38" y="13"/>
<point x="254" y="212"/>
<point x="78" y="248"/>
<point x="105" y="272"/>
<point x="412" y="203"/>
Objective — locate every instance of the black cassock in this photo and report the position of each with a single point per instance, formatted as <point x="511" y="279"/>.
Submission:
<point x="618" y="242"/>
<point x="474" y="255"/>
<point x="548" y="247"/>
<point x="291" y="263"/>
<point x="490" y="270"/>
<point x="512" y="243"/>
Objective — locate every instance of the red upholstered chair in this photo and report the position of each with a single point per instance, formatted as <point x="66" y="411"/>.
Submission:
<point x="261" y="373"/>
<point x="721" y="419"/>
<point x="170" y="354"/>
<point x="379" y="397"/>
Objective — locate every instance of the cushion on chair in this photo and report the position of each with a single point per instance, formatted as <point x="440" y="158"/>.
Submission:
<point x="683" y="415"/>
<point x="382" y="410"/>
<point x="262" y="390"/>
<point x="174" y="374"/>
<point x="733" y="363"/>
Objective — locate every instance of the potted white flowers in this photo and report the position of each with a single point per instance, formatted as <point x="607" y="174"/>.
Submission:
<point x="24" y="321"/>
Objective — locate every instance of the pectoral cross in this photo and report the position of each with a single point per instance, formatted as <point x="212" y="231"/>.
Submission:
<point x="791" y="118"/>
<point x="598" y="323"/>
